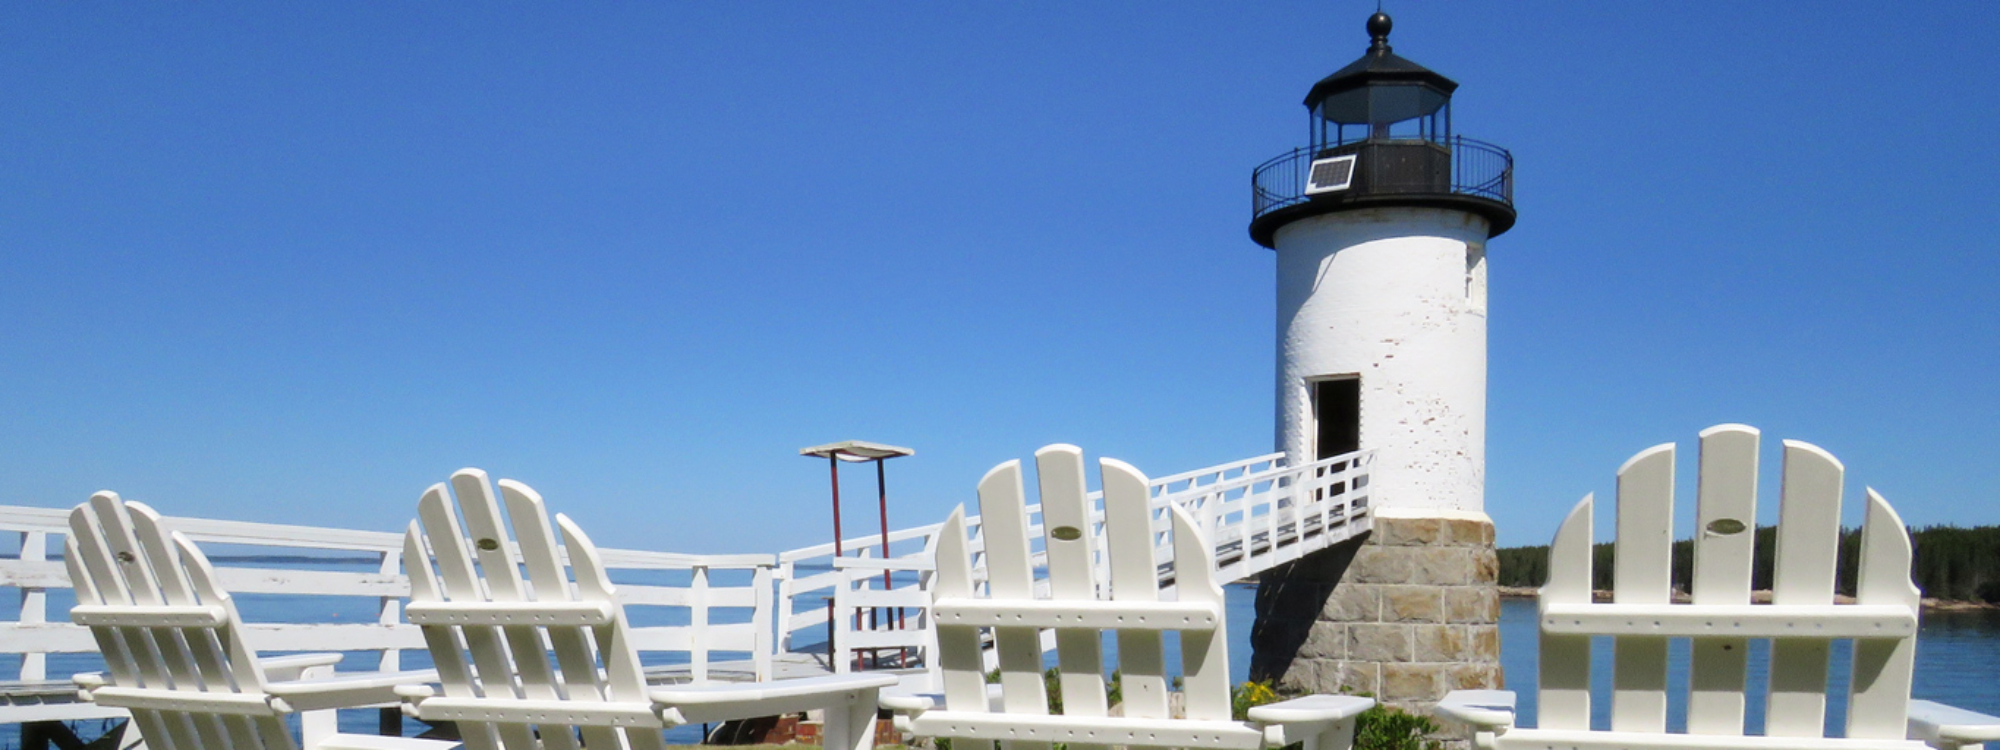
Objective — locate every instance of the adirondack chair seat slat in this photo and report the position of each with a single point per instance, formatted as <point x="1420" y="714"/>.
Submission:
<point x="1939" y="724"/>
<point x="1094" y="730"/>
<point x="550" y="614"/>
<point x="139" y="616"/>
<point x="1735" y="620"/>
<point x="1055" y="613"/>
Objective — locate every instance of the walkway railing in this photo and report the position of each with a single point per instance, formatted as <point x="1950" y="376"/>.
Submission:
<point x="1258" y="512"/>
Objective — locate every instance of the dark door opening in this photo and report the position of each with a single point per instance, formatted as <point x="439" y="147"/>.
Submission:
<point x="1337" y="414"/>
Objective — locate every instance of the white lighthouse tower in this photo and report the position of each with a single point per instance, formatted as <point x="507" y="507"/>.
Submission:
<point x="1380" y="225"/>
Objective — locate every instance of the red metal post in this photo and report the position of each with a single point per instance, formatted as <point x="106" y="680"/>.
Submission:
<point x="882" y="499"/>
<point x="833" y="466"/>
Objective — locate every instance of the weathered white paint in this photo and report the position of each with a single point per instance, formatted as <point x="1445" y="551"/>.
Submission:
<point x="1397" y="297"/>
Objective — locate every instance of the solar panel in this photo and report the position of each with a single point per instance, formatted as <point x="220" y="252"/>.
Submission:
<point x="1328" y="175"/>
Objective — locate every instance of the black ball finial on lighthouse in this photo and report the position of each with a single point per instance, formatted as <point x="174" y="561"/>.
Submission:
<point x="1378" y="30"/>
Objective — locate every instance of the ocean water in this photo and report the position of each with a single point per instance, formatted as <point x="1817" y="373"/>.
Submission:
<point x="1958" y="655"/>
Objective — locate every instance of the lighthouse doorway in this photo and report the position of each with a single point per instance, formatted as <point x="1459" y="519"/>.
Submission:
<point x="1336" y="416"/>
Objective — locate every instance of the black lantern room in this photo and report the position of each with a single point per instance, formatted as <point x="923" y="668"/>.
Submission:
<point x="1380" y="97"/>
<point x="1381" y="135"/>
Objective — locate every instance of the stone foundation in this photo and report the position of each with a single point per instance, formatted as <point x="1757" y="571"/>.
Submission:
<point x="1406" y="613"/>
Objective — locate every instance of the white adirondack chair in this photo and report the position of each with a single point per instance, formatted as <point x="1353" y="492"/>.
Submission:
<point x="545" y="660"/>
<point x="1801" y="622"/>
<point x="1080" y="607"/>
<point x="174" y="648"/>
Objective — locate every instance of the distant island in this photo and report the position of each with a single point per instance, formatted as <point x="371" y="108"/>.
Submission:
<point x="1954" y="566"/>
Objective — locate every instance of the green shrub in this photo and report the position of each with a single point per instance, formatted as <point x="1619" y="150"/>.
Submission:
<point x="1384" y="728"/>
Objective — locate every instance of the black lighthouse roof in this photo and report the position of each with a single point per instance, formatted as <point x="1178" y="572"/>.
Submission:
<point x="1380" y="65"/>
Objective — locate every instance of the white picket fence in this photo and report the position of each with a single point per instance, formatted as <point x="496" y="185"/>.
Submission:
<point x="771" y="619"/>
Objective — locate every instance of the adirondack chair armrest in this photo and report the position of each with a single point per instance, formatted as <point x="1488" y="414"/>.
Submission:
<point x="908" y="706"/>
<point x="294" y="666"/>
<point x="86" y="682"/>
<point x="684" y="695"/>
<point x="1947" y="727"/>
<point x="1483" y="710"/>
<point x="348" y="690"/>
<point x="908" y="702"/>
<point x="1311" y="709"/>
<point x="717" y="702"/>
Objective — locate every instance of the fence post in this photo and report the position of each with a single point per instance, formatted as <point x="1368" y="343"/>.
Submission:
<point x="34" y="604"/>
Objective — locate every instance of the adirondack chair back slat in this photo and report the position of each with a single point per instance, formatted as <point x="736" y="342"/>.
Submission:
<point x="1129" y="541"/>
<point x="494" y="554"/>
<point x="1066" y="520"/>
<point x="1808" y="541"/>
<point x="1879" y="698"/>
<point x="1565" y="659"/>
<point x="1010" y="573"/>
<point x="595" y="675"/>
<point x="1643" y="576"/>
<point x="1724" y="549"/>
<point x="120" y="556"/>
<point x="1204" y="652"/>
<point x="961" y="670"/>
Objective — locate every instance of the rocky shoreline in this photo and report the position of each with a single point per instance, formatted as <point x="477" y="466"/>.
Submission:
<point x="1764" y="597"/>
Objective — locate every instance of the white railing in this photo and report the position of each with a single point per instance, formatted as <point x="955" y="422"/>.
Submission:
<point x="680" y="625"/>
<point x="1258" y="512"/>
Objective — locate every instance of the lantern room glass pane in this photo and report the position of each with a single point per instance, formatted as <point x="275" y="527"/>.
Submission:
<point x="1378" y="103"/>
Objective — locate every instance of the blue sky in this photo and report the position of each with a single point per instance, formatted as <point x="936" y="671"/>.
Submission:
<point x="294" y="263"/>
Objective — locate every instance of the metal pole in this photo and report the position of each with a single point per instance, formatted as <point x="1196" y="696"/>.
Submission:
<point x="882" y="503"/>
<point x="833" y="468"/>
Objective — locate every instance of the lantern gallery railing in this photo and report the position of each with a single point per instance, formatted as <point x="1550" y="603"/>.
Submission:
<point x="1415" y="167"/>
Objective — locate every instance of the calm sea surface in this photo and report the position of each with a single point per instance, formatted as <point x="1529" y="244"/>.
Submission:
<point x="1958" y="655"/>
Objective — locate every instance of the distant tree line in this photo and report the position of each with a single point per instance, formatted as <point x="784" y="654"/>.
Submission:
<point x="1960" y="564"/>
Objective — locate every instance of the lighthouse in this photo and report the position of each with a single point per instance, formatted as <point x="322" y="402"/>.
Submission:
<point x="1380" y="224"/>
